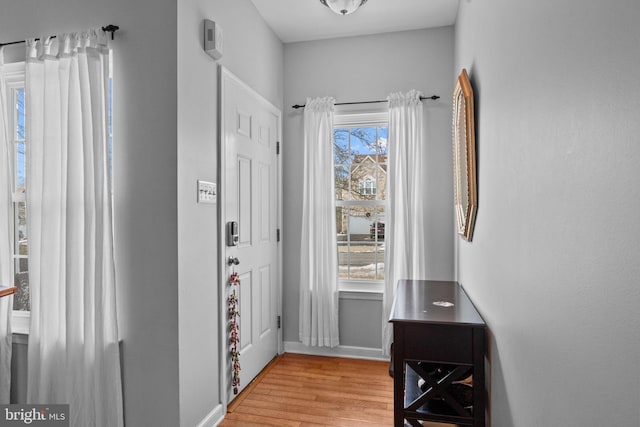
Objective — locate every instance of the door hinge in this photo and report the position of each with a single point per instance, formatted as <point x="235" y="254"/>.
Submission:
<point x="279" y="322"/>
<point x="277" y="147"/>
<point x="278" y="235"/>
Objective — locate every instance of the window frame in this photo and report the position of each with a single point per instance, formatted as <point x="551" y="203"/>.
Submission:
<point x="15" y="78"/>
<point x="345" y="117"/>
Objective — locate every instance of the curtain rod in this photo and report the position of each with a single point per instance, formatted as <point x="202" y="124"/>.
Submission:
<point x="422" y="98"/>
<point x="107" y="29"/>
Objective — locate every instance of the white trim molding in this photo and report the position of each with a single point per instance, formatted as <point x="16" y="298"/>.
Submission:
<point x="345" y="351"/>
<point x="213" y="418"/>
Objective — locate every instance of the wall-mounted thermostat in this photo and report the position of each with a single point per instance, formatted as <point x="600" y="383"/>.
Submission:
<point x="213" y="39"/>
<point x="206" y="192"/>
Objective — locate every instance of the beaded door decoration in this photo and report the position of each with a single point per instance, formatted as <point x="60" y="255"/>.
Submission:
<point x="234" y="280"/>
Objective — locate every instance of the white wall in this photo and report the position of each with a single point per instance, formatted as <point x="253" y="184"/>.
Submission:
<point x="358" y="69"/>
<point x="554" y="264"/>
<point x="249" y="45"/>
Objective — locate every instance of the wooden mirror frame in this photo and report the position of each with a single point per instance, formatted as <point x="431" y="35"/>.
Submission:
<point x="464" y="157"/>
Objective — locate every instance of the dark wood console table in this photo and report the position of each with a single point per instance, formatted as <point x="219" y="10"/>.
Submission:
<point x="439" y="348"/>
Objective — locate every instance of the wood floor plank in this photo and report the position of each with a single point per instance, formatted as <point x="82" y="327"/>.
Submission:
<point x="302" y="390"/>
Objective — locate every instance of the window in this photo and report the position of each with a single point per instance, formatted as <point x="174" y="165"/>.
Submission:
<point x="14" y="75"/>
<point x="20" y="252"/>
<point x="368" y="186"/>
<point x="14" y="81"/>
<point x="360" y="167"/>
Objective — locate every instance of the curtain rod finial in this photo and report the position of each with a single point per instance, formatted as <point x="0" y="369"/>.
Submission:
<point x="110" y="29"/>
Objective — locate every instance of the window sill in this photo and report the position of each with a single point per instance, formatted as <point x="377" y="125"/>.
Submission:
<point x="20" y="322"/>
<point x="353" y="289"/>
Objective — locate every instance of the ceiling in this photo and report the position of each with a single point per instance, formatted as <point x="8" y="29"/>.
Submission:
<point x="303" y="20"/>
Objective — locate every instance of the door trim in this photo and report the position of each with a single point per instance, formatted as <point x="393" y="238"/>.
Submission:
<point x="223" y="75"/>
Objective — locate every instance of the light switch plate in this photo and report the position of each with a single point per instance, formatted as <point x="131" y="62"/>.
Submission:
<point x="207" y="192"/>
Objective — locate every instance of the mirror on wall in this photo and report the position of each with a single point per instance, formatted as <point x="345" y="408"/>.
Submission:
<point x="464" y="157"/>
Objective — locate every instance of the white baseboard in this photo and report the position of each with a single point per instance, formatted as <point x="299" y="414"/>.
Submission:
<point x="339" y="351"/>
<point x="213" y="418"/>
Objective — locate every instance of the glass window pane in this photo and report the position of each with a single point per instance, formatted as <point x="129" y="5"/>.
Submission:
<point x="380" y="261"/>
<point x="19" y="114"/>
<point x="341" y="152"/>
<point x="360" y="235"/>
<point x="383" y="136"/>
<point x="376" y="223"/>
<point x="21" y="281"/>
<point x="342" y="183"/>
<point x="20" y="167"/>
<point x="21" y="261"/>
<point x="343" y="243"/>
<point x="381" y="182"/>
<point x="363" y="141"/>
<point x="21" y="228"/>
<point x="363" y="261"/>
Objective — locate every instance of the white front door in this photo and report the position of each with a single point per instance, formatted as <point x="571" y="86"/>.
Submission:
<point x="250" y="181"/>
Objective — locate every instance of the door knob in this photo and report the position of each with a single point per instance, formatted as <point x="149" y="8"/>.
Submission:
<point x="233" y="260"/>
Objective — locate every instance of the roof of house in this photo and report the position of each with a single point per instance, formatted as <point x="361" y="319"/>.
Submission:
<point x="360" y="159"/>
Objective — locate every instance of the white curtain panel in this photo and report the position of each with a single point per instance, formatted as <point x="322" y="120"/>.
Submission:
<point x="318" y="255"/>
<point x="73" y="341"/>
<point x="6" y="259"/>
<point x="405" y="240"/>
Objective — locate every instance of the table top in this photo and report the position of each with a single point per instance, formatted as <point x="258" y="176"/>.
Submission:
<point x="432" y="301"/>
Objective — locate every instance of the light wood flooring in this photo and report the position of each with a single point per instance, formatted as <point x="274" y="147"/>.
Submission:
<point x="301" y="390"/>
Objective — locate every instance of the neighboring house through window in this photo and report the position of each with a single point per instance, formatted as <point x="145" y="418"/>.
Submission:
<point x="360" y="167"/>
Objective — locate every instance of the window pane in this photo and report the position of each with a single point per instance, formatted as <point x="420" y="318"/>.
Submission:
<point x="342" y="183"/>
<point x="360" y="235"/>
<point x="20" y="167"/>
<point x="21" y="280"/>
<point x="380" y="261"/>
<point x="19" y="135"/>
<point x="21" y="261"/>
<point x="341" y="152"/>
<point x="19" y="138"/>
<point x="343" y="242"/>
<point x="21" y="229"/>
<point x="363" y="141"/>
<point x="383" y="136"/>
<point x="381" y="181"/>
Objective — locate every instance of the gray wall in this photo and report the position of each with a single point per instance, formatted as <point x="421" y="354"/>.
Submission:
<point x="369" y="68"/>
<point x="145" y="188"/>
<point x="249" y="45"/>
<point x="553" y="266"/>
<point x="165" y="132"/>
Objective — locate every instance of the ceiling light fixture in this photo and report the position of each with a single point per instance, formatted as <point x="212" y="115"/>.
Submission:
<point x="343" y="7"/>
